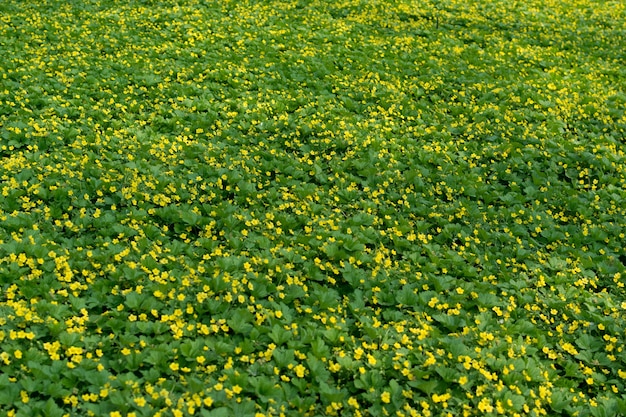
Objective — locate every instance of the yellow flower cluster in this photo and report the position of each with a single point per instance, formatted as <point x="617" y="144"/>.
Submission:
<point x="303" y="208"/>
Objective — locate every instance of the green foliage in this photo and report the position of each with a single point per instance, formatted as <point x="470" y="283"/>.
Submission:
<point x="304" y="208"/>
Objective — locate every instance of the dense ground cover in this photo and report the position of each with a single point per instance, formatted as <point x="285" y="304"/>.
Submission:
<point x="263" y="208"/>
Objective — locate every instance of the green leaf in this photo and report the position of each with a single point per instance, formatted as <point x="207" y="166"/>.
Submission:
<point x="560" y="400"/>
<point x="396" y="389"/>
<point x="319" y="348"/>
<point x="29" y="384"/>
<point x="588" y="342"/>
<point x="283" y="357"/>
<point x="9" y="393"/>
<point x="407" y="296"/>
<point x="353" y="245"/>
<point x="331" y="394"/>
<point x="317" y="368"/>
<point x="331" y="250"/>
<point x="133" y="300"/>
<point x="426" y="386"/>
<point x="447" y="374"/>
<point x="240" y="321"/>
<point x="279" y="335"/>
<point x="264" y="387"/>
<point x="51" y="409"/>
<point x="451" y="322"/>
<point x="216" y="412"/>
<point x="190" y="218"/>
<point x="191" y="349"/>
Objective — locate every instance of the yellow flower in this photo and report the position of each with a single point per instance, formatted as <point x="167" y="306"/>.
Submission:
<point x="441" y="398"/>
<point x="569" y="348"/>
<point x="353" y="402"/>
<point x="300" y="370"/>
<point x="140" y="401"/>
<point x="358" y="353"/>
<point x="385" y="397"/>
<point x="485" y="405"/>
<point x="431" y="359"/>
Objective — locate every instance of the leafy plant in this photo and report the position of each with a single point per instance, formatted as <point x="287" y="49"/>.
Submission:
<point x="311" y="208"/>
